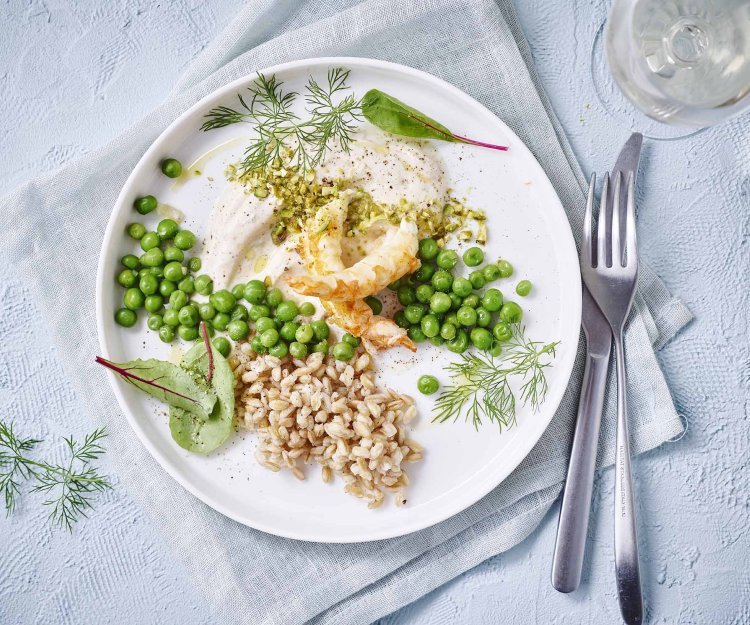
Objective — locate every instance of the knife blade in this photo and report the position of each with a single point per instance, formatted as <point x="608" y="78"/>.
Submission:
<point x="570" y="544"/>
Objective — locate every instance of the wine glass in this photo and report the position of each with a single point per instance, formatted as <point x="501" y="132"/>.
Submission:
<point x="683" y="64"/>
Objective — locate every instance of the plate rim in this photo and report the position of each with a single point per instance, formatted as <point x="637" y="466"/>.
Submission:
<point x="420" y="523"/>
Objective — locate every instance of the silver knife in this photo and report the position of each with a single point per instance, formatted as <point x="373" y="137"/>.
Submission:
<point x="570" y="544"/>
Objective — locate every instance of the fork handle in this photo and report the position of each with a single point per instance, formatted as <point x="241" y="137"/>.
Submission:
<point x="627" y="570"/>
<point x="567" y="560"/>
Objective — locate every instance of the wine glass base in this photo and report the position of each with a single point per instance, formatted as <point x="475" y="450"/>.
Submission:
<point x="623" y="112"/>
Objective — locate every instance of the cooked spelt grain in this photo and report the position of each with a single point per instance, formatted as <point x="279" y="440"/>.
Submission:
<point x="331" y="412"/>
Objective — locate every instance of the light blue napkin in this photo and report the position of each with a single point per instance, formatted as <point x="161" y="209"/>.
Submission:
<point x="256" y="578"/>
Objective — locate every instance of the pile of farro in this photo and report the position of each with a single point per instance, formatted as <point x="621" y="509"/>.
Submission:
<point x="329" y="411"/>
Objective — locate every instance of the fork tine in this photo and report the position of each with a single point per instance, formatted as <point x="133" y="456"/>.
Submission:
<point x="616" y="253"/>
<point x="630" y="240"/>
<point x="601" y="250"/>
<point x="587" y="242"/>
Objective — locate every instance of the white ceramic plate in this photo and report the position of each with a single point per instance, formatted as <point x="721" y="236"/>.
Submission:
<point x="527" y="225"/>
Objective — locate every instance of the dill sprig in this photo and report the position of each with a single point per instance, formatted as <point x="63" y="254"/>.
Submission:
<point x="278" y="128"/>
<point x="481" y="384"/>
<point x="70" y="485"/>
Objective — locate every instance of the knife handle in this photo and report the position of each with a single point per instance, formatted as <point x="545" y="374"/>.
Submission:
<point x="567" y="561"/>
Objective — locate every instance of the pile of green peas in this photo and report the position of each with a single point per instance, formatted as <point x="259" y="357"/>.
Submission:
<point x="454" y="311"/>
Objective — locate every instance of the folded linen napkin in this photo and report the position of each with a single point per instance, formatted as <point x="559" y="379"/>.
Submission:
<point x="261" y="579"/>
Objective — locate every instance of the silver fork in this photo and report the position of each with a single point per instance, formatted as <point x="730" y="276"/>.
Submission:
<point x="611" y="274"/>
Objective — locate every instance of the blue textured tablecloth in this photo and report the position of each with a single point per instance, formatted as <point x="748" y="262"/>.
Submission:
<point x="694" y="507"/>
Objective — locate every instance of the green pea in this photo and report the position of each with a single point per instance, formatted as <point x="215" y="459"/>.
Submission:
<point x="155" y="322"/>
<point x="203" y="284"/>
<point x="447" y="259"/>
<point x="466" y="316"/>
<point x="166" y="334"/>
<point x="437" y="341"/>
<point x="153" y="258"/>
<point x="153" y="303"/>
<point x="126" y="317"/>
<point x="492" y="300"/>
<point x="130" y="261"/>
<point x="167" y="228"/>
<point x="428" y="249"/>
<point x="400" y="319"/>
<point x="477" y="279"/>
<point x="287" y="311"/>
<point x="206" y="311"/>
<point x="375" y="304"/>
<point x="496" y="349"/>
<point x="223" y="301"/>
<point x="442" y="281"/>
<point x="481" y="338"/>
<point x="238" y="290"/>
<point x="127" y="278"/>
<point x="187" y="333"/>
<point x="269" y="337"/>
<point x="414" y="313"/>
<point x="298" y="350"/>
<point x="178" y="299"/>
<point x="393" y="286"/>
<point x="173" y="254"/>
<point x="425" y="273"/>
<point x="427" y="384"/>
<point x="278" y="350"/>
<point x="506" y="269"/>
<point x="490" y="273"/>
<point x="195" y="264"/>
<point x="351" y="340"/>
<point x="254" y="292"/>
<point x="288" y="331"/>
<point x="146" y="204"/>
<point x="221" y="321"/>
<point x="166" y="288"/>
<point x="451" y="318"/>
<point x="133" y="299"/>
<point x="239" y="312"/>
<point x="415" y="334"/>
<point x="307" y="309"/>
<point x="238" y="330"/>
<point x="188" y="315"/>
<point x="511" y="312"/>
<point x="187" y="284"/>
<point x="259" y="310"/>
<point x="462" y="287"/>
<point x="472" y="301"/>
<point x="184" y="240"/>
<point x="304" y="333"/>
<point x="424" y="293"/>
<point x="320" y="330"/>
<point x="406" y="295"/>
<point x="321" y="347"/>
<point x="265" y="323"/>
<point x="502" y="331"/>
<point x="448" y="331"/>
<point x="459" y="343"/>
<point x="209" y="328"/>
<point x="222" y="345"/>
<point x="257" y="346"/>
<point x="473" y="257"/>
<point x="136" y="231"/>
<point x="484" y="317"/>
<point x="171" y="317"/>
<point x="342" y="351"/>
<point x="274" y="297"/>
<point x="430" y="326"/>
<point x="173" y="271"/>
<point x="149" y="241"/>
<point x="523" y="288"/>
<point x="171" y="167"/>
<point x="440" y="303"/>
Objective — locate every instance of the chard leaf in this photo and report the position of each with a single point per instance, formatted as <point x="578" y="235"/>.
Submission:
<point x="176" y="386"/>
<point x="199" y="435"/>
<point x="394" y="116"/>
